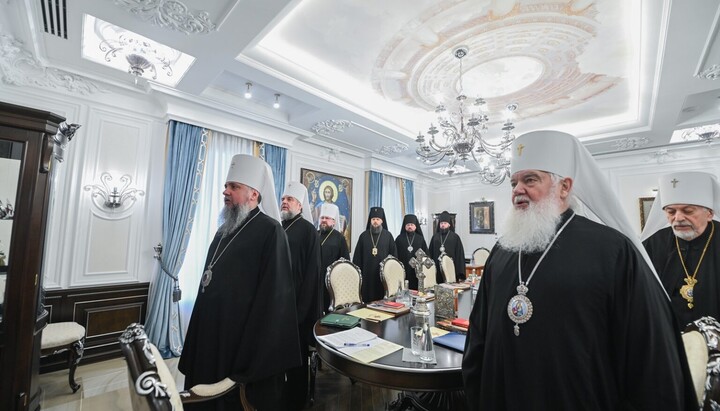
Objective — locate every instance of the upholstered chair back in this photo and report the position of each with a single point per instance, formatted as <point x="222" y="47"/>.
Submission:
<point x="447" y="268"/>
<point x="392" y="273"/>
<point x="343" y="281"/>
<point x="430" y="276"/>
<point x="480" y="255"/>
<point x="700" y="340"/>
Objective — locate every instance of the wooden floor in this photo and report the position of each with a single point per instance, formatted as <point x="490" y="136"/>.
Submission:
<point x="335" y="392"/>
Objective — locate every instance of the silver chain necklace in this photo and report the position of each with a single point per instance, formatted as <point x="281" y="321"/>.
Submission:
<point x="520" y="309"/>
<point x="207" y="275"/>
<point x="410" y="243"/>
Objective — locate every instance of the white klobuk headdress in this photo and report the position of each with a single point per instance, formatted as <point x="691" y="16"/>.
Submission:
<point x="332" y="211"/>
<point x="687" y="187"/>
<point x="563" y="154"/>
<point x="298" y="191"/>
<point x="255" y="173"/>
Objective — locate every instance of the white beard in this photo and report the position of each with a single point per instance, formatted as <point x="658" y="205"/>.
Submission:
<point x="685" y="235"/>
<point x="532" y="229"/>
<point x="232" y="218"/>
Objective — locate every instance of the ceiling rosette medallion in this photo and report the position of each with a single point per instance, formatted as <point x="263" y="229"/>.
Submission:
<point x="536" y="45"/>
<point x="170" y="14"/>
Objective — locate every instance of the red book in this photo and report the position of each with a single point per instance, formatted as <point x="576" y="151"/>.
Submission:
<point x="393" y="304"/>
<point x="461" y="322"/>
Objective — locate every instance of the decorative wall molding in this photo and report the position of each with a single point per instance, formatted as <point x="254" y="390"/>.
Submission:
<point x="18" y="67"/>
<point x="170" y="14"/>
<point x="392" y="149"/>
<point x="623" y="144"/>
<point x="327" y="127"/>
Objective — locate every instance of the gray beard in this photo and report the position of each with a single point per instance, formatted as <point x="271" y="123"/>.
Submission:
<point x="287" y="215"/>
<point x="687" y="236"/>
<point x="232" y="218"/>
<point x="325" y="229"/>
<point x="531" y="230"/>
<point x="376" y="230"/>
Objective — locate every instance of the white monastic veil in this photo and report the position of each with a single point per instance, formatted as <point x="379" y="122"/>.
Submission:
<point x="563" y="154"/>
<point x="692" y="187"/>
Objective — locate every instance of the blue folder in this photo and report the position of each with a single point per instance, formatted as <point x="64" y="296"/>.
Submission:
<point x="453" y="340"/>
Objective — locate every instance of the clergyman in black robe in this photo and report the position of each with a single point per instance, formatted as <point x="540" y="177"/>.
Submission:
<point x="332" y="244"/>
<point x="374" y="244"/>
<point x="407" y="243"/>
<point x="244" y="321"/>
<point x="305" y="257"/>
<point x="569" y="316"/>
<point x="446" y="240"/>
<point x="687" y="251"/>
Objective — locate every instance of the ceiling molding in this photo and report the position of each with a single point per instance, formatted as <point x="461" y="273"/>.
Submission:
<point x="170" y="14"/>
<point x="327" y="127"/>
<point x="18" y="67"/>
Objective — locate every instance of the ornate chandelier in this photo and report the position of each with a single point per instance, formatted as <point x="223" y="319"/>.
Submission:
<point x="461" y="137"/>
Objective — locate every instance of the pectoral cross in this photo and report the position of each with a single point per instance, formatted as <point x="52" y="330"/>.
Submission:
<point x="520" y="148"/>
<point x="674" y="181"/>
<point x="421" y="259"/>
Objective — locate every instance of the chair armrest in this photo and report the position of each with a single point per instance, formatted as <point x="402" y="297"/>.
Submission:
<point x="204" y="392"/>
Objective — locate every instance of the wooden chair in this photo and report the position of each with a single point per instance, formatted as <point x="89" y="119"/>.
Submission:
<point x="61" y="337"/>
<point x="447" y="268"/>
<point x="152" y="387"/>
<point x="344" y="282"/>
<point x="700" y="340"/>
<point x="480" y="255"/>
<point x="392" y="273"/>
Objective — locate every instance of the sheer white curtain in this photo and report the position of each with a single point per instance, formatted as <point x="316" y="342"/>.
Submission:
<point x="392" y="199"/>
<point x="221" y="148"/>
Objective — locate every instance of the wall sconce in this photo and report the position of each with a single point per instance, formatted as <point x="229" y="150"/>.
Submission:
<point x="158" y="251"/>
<point x="248" y="93"/>
<point x="113" y="198"/>
<point x="61" y="139"/>
<point x="421" y="218"/>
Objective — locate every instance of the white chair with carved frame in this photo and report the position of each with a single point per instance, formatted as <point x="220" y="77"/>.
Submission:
<point x="392" y="273"/>
<point x="447" y="268"/>
<point x="480" y="256"/>
<point x="152" y="387"/>
<point x="344" y="282"/>
<point x="61" y="337"/>
<point x="700" y="341"/>
<point x="430" y="276"/>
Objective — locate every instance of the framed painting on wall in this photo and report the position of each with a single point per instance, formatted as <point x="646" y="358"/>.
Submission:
<point x="645" y="204"/>
<point x="482" y="217"/>
<point x="330" y="188"/>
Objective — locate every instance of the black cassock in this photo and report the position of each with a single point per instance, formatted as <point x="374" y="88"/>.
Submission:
<point x="706" y="293"/>
<point x="404" y="255"/>
<point x="453" y="248"/>
<point x="332" y="247"/>
<point x="305" y="257"/>
<point x="244" y="325"/>
<point x="372" y="288"/>
<point x="601" y="335"/>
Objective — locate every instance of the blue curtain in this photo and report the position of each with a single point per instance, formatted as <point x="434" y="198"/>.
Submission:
<point x="409" y="196"/>
<point x="184" y="166"/>
<point x="276" y="157"/>
<point x="375" y="189"/>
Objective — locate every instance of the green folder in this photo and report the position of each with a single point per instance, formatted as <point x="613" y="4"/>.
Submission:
<point x="340" y="320"/>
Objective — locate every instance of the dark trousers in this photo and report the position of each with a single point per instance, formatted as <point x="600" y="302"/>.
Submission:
<point x="297" y="386"/>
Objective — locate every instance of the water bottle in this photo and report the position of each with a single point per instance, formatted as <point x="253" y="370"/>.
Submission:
<point x="407" y="299"/>
<point x="399" y="293"/>
<point x="427" y="351"/>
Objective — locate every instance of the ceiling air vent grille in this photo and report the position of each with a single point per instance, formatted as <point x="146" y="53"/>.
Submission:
<point x="54" y="17"/>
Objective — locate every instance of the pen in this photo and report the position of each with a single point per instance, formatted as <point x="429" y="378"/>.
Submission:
<point x="356" y="345"/>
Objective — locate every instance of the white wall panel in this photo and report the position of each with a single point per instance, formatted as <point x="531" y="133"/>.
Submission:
<point x="107" y="253"/>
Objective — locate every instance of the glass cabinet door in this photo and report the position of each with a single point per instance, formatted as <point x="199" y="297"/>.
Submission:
<point x="10" y="164"/>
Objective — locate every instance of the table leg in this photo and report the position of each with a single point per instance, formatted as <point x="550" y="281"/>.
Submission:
<point x="430" y="401"/>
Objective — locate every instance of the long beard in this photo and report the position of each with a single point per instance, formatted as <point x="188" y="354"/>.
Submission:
<point x="375" y="230"/>
<point x="287" y="215"/>
<point x="531" y="230"/>
<point x="232" y="218"/>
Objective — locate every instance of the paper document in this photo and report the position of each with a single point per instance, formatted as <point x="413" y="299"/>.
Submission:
<point x="378" y="348"/>
<point x="355" y="335"/>
<point x="370" y="315"/>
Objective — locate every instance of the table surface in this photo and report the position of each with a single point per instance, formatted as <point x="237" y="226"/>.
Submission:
<point x="390" y="371"/>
